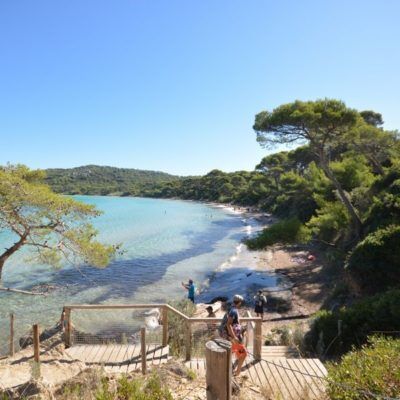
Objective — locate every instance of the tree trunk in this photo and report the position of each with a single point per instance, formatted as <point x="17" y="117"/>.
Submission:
<point x="1" y="267"/>
<point x="11" y="250"/>
<point x="376" y="164"/>
<point x="347" y="203"/>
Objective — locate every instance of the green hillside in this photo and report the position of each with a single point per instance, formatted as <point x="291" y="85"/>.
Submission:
<point x="102" y="180"/>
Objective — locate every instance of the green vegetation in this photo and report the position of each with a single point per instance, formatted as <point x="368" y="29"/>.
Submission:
<point x="288" y="231"/>
<point x="98" y="180"/>
<point x="93" y="384"/>
<point x="55" y="227"/>
<point x="153" y="388"/>
<point x="379" y="313"/>
<point x="177" y="327"/>
<point x="372" y="369"/>
<point x="339" y="189"/>
<point x="374" y="263"/>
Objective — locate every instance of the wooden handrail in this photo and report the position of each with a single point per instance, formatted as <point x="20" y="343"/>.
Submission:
<point x="139" y="306"/>
<point x="254" y="322"/>
<point x="111" y="306"/>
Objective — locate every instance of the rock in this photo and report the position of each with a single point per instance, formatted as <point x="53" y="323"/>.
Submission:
<point x="279" y="301"/>
<point x="27" y="340"/>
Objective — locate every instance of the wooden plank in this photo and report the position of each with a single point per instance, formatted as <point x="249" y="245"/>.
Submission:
<point x="256" y="374"/>
<point x="308" y="380"/>
<point x="106" y="354"/>
<point x="116" y="359"/>
<point x="320" y="366"/>
<point x="265" y="378"/>
<point x="313" y="370"/>
<point x="130" y="356"/>
<point x="157" y="355"/>
<point x="91" y="352"/>
<point x="165" y="326"/>
<point x="165" y="354"/>
<point x="283" y="377"/>
<point x="300" y="381"/>
<point x="276" y="382"/>
<point x="289" y="377"/>
<point x="98" y="353"/>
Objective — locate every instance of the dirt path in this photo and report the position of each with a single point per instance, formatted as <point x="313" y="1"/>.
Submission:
<point x="310" y="282"/>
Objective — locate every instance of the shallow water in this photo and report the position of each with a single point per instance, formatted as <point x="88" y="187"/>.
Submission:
<point x="164" y="242"/>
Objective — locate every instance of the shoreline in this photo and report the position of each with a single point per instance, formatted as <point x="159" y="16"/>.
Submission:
<point x="302" y="285"/>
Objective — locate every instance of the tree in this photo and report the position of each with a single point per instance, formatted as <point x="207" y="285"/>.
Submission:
<point x="274" y="165"/>
<point x="53" y="226"/>
<point x="322" y="124"/>
<point x="376" y="144"/>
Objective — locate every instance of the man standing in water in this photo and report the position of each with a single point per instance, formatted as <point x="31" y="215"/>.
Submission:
<point x="190" y="288"/>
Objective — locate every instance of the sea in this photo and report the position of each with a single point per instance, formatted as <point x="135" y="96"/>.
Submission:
<point x="163" y="243"/>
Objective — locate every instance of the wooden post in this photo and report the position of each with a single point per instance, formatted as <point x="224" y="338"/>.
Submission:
<point x="12" y="334"/>
<point x="67" y="333"/>
<point x="188" y="341"/>
<point x="165" y="326"/>
<point x="257" y="341"/>
<point x="36" y="348"/>
<point x="219" y="370"/>
<point x="143" y="349"/>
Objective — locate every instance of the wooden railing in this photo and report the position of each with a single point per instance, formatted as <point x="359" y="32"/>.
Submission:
<point x="255" y="322"/>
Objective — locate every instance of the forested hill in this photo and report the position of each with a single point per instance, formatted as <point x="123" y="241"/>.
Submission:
<point x="103" y="180"/>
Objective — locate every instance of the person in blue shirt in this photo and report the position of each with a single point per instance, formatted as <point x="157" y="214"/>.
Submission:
<point x="190" y="288"/>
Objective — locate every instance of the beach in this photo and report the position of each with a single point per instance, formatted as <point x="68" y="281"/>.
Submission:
<point x="296" y="287"/>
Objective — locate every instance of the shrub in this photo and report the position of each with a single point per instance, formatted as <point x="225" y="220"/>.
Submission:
<point x="373" y="314"/>
<point x="151" y="388"/>
<point x="374" y="368"/>
<point x="287" y="231"/>
<point x="374" y="264"/>
<point x="177" y="327"/>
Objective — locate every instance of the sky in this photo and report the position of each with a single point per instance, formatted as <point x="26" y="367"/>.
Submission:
<point x="174" y="85"/>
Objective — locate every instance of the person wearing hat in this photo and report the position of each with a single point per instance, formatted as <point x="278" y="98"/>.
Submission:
<point x="259" y="303"/>
<point x="190" y="288"/>
<point x="231" y="330"/>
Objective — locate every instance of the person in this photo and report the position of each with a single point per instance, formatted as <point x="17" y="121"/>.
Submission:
<point x="211" y="313"/>
<point x="231" y="330"/>
<point x="259" y="303"/>
<point x="190" y="288"/>
<point x="212" y="327"/>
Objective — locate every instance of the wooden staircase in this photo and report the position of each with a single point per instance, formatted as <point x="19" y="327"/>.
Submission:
<point x="281" y="373"/>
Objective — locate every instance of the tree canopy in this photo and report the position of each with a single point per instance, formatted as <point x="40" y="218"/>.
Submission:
<point x="54" y="227"/>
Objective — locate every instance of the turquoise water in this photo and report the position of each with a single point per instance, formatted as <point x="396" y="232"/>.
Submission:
<point x="164" y="242"/>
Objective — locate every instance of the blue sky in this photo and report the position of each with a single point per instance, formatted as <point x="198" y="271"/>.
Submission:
<point x="174" y="85"/>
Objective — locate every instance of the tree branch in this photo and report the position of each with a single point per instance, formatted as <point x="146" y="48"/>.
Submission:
<point x="21" y="291"/>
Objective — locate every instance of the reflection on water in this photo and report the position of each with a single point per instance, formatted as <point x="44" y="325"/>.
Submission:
<point x="165" y="242"/>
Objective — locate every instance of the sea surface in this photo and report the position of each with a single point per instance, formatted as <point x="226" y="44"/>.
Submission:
<point x="164" y="242"/>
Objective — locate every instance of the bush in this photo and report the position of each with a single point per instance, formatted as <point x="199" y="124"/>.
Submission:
<point x="287" y="231"/>
<point x="373" y="314"/>
<point x="177" y="327"/>
<point x="374" y="264"/>
<point x="374" y="368"/>
<point x="135" y="389"/>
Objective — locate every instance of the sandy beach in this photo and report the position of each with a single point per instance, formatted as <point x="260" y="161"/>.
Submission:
<point x="296" y="286"/>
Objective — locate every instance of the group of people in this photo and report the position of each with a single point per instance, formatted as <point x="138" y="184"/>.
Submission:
<point x="230" y="327"/>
